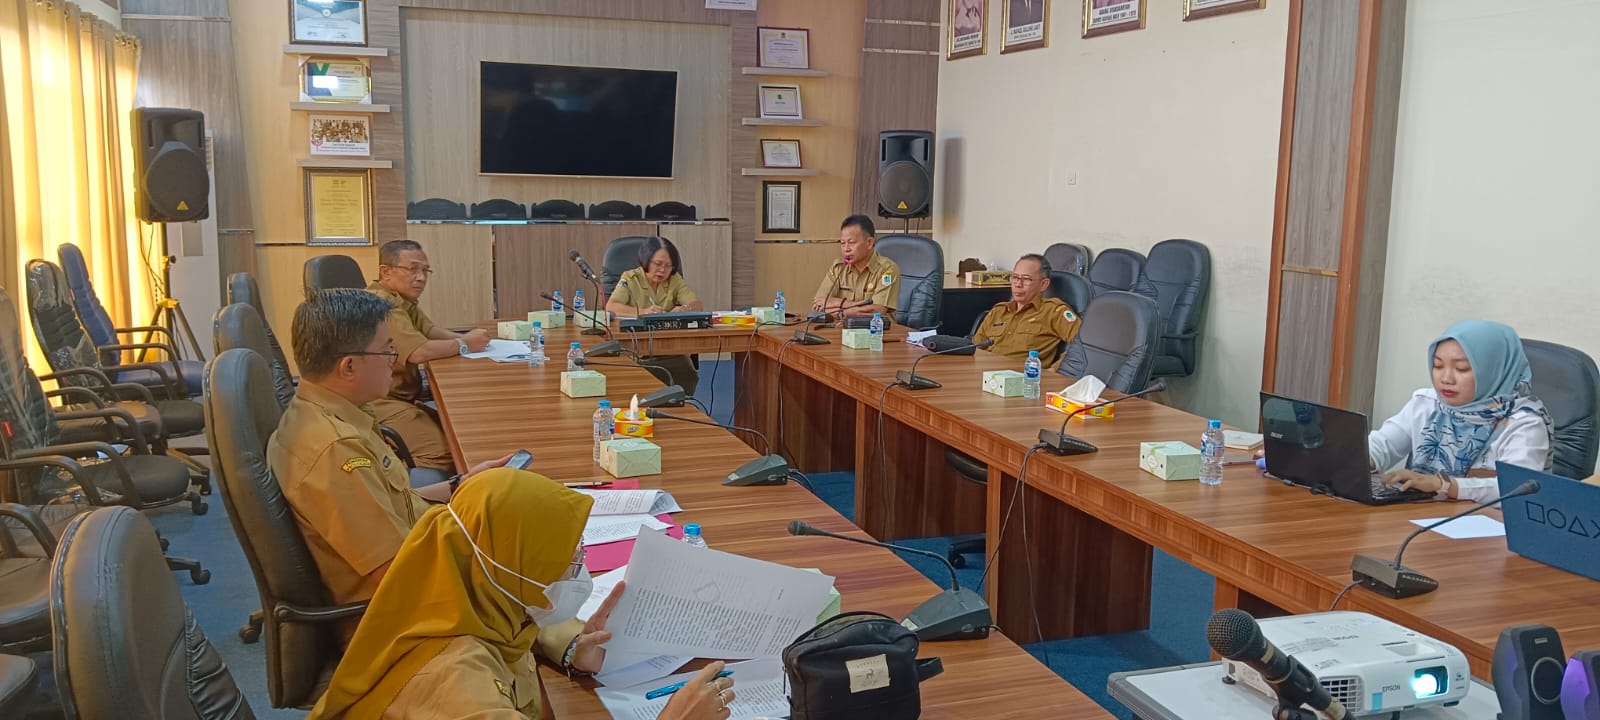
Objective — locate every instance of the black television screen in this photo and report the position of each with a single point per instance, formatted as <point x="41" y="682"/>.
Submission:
<point x="560" y="120"/>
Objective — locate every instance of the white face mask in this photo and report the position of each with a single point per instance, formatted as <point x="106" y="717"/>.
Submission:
<point x="566" y="596"/>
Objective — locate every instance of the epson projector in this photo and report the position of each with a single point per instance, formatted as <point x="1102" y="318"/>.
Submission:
<point x="1370" y="665"/>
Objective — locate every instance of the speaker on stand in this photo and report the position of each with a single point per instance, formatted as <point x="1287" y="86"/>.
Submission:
<point x="905" y="174"/>
<point x="171" y="184"/>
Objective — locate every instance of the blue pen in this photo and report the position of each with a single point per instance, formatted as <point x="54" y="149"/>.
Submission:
<point x="670" y="689"/>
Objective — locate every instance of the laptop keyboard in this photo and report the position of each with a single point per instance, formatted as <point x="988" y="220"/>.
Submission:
<point x="1381" y="491"/>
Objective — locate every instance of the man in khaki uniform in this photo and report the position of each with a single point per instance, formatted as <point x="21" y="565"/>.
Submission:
<point x="1029" y="320"/>
<point x="403" y="273"/>
<point x="863" y="282"/>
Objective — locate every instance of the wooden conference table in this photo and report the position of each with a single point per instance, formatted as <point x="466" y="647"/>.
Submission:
<point x="491" y="409"/>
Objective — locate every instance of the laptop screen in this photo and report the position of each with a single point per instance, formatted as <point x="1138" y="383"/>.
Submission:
<point x="1314" y="445"/>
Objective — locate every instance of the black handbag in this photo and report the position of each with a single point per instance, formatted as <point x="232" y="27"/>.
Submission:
<point x="856" y="665"/>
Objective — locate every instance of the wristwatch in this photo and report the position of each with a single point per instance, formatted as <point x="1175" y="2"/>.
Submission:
<point x="455" y="482"/>
<point x="462" y="346"/>
<point x="566" y="660"/>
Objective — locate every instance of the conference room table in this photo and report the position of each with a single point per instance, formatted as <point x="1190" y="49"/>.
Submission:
<point x="490" y="409"/>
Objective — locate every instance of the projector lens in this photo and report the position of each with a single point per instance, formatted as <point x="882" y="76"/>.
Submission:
<point x="1428" y="682"/>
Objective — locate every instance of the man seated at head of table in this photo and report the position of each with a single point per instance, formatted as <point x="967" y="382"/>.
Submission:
<point x="862" y="282"/>
<point x="657" y="286"/>
<point x="1030" y="320"/>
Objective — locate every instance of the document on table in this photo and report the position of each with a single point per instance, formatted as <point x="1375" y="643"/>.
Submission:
<point x="501" y="351"/>
<point x="632" y="502"/>
<point x="758" y="689"/>
<point x="683" y="600"/>
<point x="1471" y="526"/>
<point x="916" y="337"/>
<point x="631" y="669"/>
<point x="615" y="528"/>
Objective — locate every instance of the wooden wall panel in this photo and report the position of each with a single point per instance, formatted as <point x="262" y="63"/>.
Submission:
<point x="1321" y="135"/>
<point x="530" y="259"/>
<point x="461" y="290"/>
<point x="707" y="261"/>
<point x="1305" y="336"/>
<point x="899" y="86"/>
<point x="794" y="268"/>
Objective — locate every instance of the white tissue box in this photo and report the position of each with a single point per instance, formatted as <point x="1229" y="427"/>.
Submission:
<point x="547" y="318"/>
<point x="1005" y="383"/>
<point x="1060" y="403"/>
<point x="630" y="457"/>
<point x="591" y="318"/>
<point x="582" y="383"/>
<point x="516" y="330"/>
<point x="1170" y="460"/>
<point x="766" y="315"/>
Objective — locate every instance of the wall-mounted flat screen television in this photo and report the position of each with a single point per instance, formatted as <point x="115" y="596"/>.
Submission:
<point x="563" y="120"/>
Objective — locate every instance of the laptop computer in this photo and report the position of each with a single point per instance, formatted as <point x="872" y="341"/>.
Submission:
<point x="1558" y="526"/>
<point x="1325" y="449"/>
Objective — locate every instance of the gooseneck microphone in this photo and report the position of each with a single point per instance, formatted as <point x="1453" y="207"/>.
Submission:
<point x="583" y="265"/>
<point x="912" y="381"/>
<point x="672" y="395"/>
<point x="1058" y="442"/>
<point x="1397" y="581"/>
<point x="1235" y="635"/>
<point x="599" y="296"/>
<point x="955" y="614"/>
<point x="805" y="336"/>
<point x="768" y="469"/>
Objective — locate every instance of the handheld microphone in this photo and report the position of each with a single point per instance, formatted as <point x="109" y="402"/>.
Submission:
<point x="1397" y="581"/>
<point x="912" y="381"/>
<point x="805" y="336"/>
<point x="583" y="265"/>
<point x="768" y="469"/>
<point x="1235" y="635"/>
<point x="599" y="328"/>
<point x="955" y="614"/>
<point x="672" y="395"/>
<point x="1058" y="442"/>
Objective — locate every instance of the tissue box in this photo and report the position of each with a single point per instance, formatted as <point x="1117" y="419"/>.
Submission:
<point x="630" y="457"/>
<point x="832" y="608"/>
<point x="1060" y="404"/>
<point x="547" y="318"/>
<point x="1171" y="460"/>
<point x="591" y="318"/>
<point x="733" y="319"/>
<point x="857" y="338"/>
<point x="516" y="330"/>
<point x="582" y="384"/>
<point x="1005" y="383"/>
<point x="642" y="427"/>
<point x="765" y="315"/>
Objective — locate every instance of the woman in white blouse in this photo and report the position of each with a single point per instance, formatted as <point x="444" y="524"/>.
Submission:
<point x="1478" y="412"/>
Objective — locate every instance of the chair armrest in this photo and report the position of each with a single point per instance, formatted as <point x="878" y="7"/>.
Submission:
<point x="92" y="372"/>
<point x="35" y="524"/>
<point x="65" y="391"/>
<point x="167" y="370"/>
<point x="398" y="444"/>
<point x="286" y="612"/>
<point x="42" y="458"/>
<point x="140" y="392"/>
<point x="112" y="414"/>
<point x="153" y="329"/>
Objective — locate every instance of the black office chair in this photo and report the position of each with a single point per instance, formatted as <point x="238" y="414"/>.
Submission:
<point x="328" y="272"/>
<point x="921" y="264"/>
<point x="1180" y="272"/>
<point x="105" y="333"/>
<point x="1119" y="269"/>
<point x="436" y="209"/>
<point x="126" y="646"/>
<point x="616" y="210"/>
<point x="670" y="211"/>
<point x="556" y="210"/>
<point x="498" y="209"/>
<point x="24" y="596"/>
<point x="1069" y="257"/>
<point x="242" y="289"/>
<point x="302" y="649"/>
<point x="621" y="256"/>
<point x="1569" y="384"/>
<point x="19" y="678"/>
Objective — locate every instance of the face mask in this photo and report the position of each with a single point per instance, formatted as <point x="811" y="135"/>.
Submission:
<point x="566" y="596"/>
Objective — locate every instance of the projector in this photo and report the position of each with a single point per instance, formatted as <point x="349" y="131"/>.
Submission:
<point x="1369" y="664"/>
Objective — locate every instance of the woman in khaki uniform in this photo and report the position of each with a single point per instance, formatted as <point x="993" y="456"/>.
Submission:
<point x="656" y="286"/>
<point x="449" y="631"/>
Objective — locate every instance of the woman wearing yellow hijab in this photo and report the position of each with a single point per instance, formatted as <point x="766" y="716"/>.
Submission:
<point x="450" y="628"/>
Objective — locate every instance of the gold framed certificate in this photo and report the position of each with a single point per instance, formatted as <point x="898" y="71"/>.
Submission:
<point x="338" y="207"/>
<point x="1103" y="17"/>
<point x="788" y="48"/>
<point x="780" y="101"/>
<point x="335" y="81"/>
<point x="328" y="22"/>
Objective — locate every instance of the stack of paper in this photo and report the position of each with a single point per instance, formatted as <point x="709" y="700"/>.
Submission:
<point x="916" y="337"/>
<point x="630" y="669"/>
<point x="602" y="529"/>
<point x="758" y="692"/>
<point x="501" y="351"/>
<point x="632" y="502"/>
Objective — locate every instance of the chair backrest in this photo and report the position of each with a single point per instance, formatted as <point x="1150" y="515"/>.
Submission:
<point x="326" y="272"/>
<point x="921" y="264"/>
<point x="498" y="209"/>
<point x="22" y="404"/>
<point x="1180" y="273"/>
<point x="242" y="289"/>
<point x="238" y="326"/>
<point x="1072" y="289"/>
<point x="1117" y="342"/>
<point x="616" y="210"/>
<point x="1069" y="257"/>
<point x="90" y="310"/>
<point x="436" y="209"/>
<point x="1567" y="381"/>
<point x="621" y="256"/>
<point x="670" y="210"/>
<point x="1119" y="269"/>
<point x="61" y="335"/>
<point x="126" y="646"/>
<point x="241" y="415"/>
<point x="556" y="210"/>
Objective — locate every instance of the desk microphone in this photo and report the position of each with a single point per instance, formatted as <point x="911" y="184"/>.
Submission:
<point x="912" y="381"/>
<point x="768" y="469"/>
<point x="598" y="329"/>
<point x="1235" y="635"/>
<point x="805" y="336"/>
<point x="583" y="265"/>
<point x="1397" y="581"/>
<point x="670" y="396"/>
<point x="954" y="614"/>
<point x="611" y="348"/>
<point x="1060" y="443"/>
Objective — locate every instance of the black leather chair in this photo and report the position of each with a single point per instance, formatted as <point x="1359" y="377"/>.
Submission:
<point x="238" y="325"/>
<point x="621" y="256"/>
<point x="105" y="333"/>
<point x="18" y="679"/>
<point x="126" y="646"/>
<point x="556" y="210"/>
<point x="498" y="209"/>
<point x="24" y="583"/>
<point x="921" y="264"/>
<point x="242" y="289"/>
<point x="1180" y="272"/>
<point x="1119" y="269"/>
<point x="1069" y="257"/>
<point x="328" y="272"/>
<point x="302" y="649"/>
<point x="1569" y="384"/>
<point x="670" y="211"/>
<point x="436" y="209"/>
<point x="616" y="210"/>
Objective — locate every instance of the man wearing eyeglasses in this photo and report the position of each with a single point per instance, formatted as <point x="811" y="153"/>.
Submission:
<point x="1029" y="320"/>
<point x="403" y="273"/>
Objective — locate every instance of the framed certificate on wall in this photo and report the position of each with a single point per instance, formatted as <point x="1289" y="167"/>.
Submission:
<point x="328" y="22"/>
<point x="338" y="207"/>
<point x="788" y="48"/>
<point x="780" y="207"/>
<point x="780" y="153"/>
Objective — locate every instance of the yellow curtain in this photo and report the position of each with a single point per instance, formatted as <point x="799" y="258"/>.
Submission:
<point x="66" y="154"/>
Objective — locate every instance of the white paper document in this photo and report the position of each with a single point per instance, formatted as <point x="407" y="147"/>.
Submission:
<point x="631" y="502"/>
<point x="1471" y="526"/>
<point x="915" y="337"/>
<point x="631" y="669"/>
<point x="501" y="351"/>
<point x="758" y="688"/>
<point x="616" y="528"/>
<point x="683" y="600"/>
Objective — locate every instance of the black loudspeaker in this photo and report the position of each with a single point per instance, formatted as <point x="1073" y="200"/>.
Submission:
<point x="1527" y="672"/>
<point x="1580" y="688"/>
<point x="170" y="181"/>
<point x="905" y="173"/>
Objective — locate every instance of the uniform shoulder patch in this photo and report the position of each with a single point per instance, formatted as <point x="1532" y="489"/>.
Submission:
<point x="356" y="462"/>
<point x="888" y="279"/>
<point x="1069" y="315"/>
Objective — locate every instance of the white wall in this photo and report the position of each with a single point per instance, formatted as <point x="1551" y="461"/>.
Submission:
<point x="1170" y="131"/>
<point x="1496" y="180"/>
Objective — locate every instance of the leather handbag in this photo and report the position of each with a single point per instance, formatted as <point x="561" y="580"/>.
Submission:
<point x="856" y="665"/>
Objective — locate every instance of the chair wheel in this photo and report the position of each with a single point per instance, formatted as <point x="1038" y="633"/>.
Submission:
<point x="200" y="576"/>
<point x="198" y="506"/>
<point x="249" y="634"/>
<point x="958" y="560"/>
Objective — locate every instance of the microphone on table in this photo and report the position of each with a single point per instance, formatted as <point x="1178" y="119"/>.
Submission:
<point x="1235" y="635"/>
<point x="587" y="272"/>
<point x="672" y="395"/>
<point x="768" y="469"/>
<point x="610" y="348"/>
<point x="955" y="614"/>
<point x="1058" y="442"/>
<point x="912" y="381"/>
<point x="805" y="336"/>
<point x="1393" y="580"/>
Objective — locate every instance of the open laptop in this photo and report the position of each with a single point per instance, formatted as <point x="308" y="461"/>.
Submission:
<point x="1325" y="449"/>
<point x="1558" y="526"/>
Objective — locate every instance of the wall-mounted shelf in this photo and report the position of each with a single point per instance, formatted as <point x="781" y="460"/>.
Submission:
<point x="334" y="50"/>
<point x="347" y="108"/>
<point x="344" y="163"/>
<point x="781" y="123"/>
<point x="779" y="172"/>
<point x="783" y="72"/>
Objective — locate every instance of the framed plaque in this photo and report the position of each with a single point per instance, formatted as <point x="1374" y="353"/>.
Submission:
<point x="1103" y="17"/>
<point x="338" y="207"/>
<point x="332" y="80"/>
<point x="1025" y="25"/>
<point x="1196" y="9"/>
<point x="968" y="19"/>
<point x="788" y="48"/>
<point x="328" y="22"/>
<point x="780" y="208"/>
<point x="780" y="101"/>
<point x="341" y="135"/>
<point x="780" y="153"/>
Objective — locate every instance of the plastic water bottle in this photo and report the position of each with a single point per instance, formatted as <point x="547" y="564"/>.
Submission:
<point x="575" y="356"/>
<point x="555" y="302"/>
<point x="536" y="355"/>
<point x="1211" y="454"/>
<point x="875" y="343"/>
<point x="692" y="536"/>
<point x="577" y="302"/>
<point x="1030" y="375"/>
<point x="604" y="424"/>
<point x="781" y="305"/>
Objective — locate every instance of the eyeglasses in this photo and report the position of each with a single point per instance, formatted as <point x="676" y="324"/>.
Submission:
<point x="577" y="564"/>
<point x="1024" y="279"/>
<point x="394" y="356"/>
<point x="422" y="270"/>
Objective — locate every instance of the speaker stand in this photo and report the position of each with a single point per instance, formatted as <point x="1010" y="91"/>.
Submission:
<point x="169" y="312"/>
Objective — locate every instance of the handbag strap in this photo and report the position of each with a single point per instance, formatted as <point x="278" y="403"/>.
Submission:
<point x="929" y="668"/>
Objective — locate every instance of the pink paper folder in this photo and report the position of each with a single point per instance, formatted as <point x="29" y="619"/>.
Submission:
<point x="610" y="556"/>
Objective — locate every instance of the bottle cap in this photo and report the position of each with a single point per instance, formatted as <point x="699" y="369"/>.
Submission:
<point x="538" y="324"/>
<point x="691" y="529"/>
<point x="605" y="404"/>
<point x="1214" y="424"/>
<point x="877" y="315"/>
<point x="1033" y="353"/>
<point x="576" y="345"/>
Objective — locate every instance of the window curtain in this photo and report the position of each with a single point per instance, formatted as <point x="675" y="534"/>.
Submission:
<point x="66" y="155"/>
